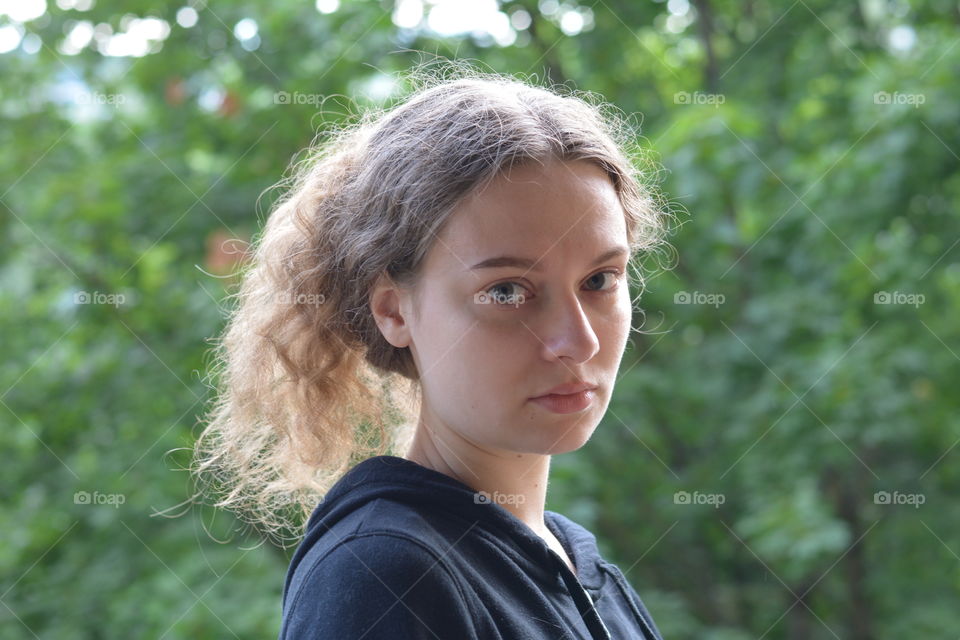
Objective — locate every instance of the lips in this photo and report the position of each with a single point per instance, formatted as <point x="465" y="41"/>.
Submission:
<point x="566" y="403"/>
<point x="568" y="388"/>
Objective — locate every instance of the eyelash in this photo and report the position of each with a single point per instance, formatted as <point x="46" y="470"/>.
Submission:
<point x="615" y="272"/>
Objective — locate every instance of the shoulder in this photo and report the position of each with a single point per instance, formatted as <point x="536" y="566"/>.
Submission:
<point x="378" y="584"/>
<point x="566" y="524"/>
<point x="574" y="533"/>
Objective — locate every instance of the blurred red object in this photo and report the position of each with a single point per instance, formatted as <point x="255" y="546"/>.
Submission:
<point x="175" y="92"/>
<point x="229" y="105"/>
<point x="225" y="252"/>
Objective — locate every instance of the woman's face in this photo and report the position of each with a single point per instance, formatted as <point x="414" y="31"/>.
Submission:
<point x="487" y="339"/>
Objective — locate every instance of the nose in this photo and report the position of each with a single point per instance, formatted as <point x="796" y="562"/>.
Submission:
<point x="566" y="332"/>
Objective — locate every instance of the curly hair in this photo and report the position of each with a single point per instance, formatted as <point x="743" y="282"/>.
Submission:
<point x="306" y="385"/>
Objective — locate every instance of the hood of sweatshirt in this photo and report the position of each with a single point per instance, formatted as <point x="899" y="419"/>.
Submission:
<point x="405" y="481"/>
<point x="389" y="493"/>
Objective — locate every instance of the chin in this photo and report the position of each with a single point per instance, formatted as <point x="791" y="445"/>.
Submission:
<point x="570" y="442"/>
<point x="564" y="438"/>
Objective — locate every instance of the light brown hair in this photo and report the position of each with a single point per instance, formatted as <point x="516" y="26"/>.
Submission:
<point x="306" y="384"/>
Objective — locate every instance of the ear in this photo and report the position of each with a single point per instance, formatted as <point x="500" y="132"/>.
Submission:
<point x="390" y="305"/>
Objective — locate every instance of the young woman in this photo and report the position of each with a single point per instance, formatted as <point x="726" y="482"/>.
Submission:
<point x="438" y="305"/>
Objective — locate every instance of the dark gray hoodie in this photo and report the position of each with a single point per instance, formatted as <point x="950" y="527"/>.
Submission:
<point x="399" y="551"/>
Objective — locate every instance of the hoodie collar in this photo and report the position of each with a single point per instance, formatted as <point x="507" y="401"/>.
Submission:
<point x="581" y="545"/>
<point x="396" y="478"/>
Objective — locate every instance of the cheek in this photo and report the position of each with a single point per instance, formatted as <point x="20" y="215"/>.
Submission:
<point x="462" y="343"/>
<point x="625" y="312"/>
<point x="491" y="359"/>
<point x="613" y="326"/>
<point x="495" y="347"/>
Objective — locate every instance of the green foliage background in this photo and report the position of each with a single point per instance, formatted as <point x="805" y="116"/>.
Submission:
<point x="787" y="385"/>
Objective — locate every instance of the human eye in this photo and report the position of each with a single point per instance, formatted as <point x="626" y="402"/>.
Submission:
<point x="506" y="293"/>
<point x="512" y="293"/>
<point x="613" y="280"/>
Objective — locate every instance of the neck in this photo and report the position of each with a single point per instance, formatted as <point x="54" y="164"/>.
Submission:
<point x="515" y="481"/>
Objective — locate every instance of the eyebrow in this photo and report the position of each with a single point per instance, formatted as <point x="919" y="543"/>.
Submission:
<point x="533" y="265"/>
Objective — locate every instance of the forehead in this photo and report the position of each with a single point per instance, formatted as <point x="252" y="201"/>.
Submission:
<point x="550" y="211"/>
